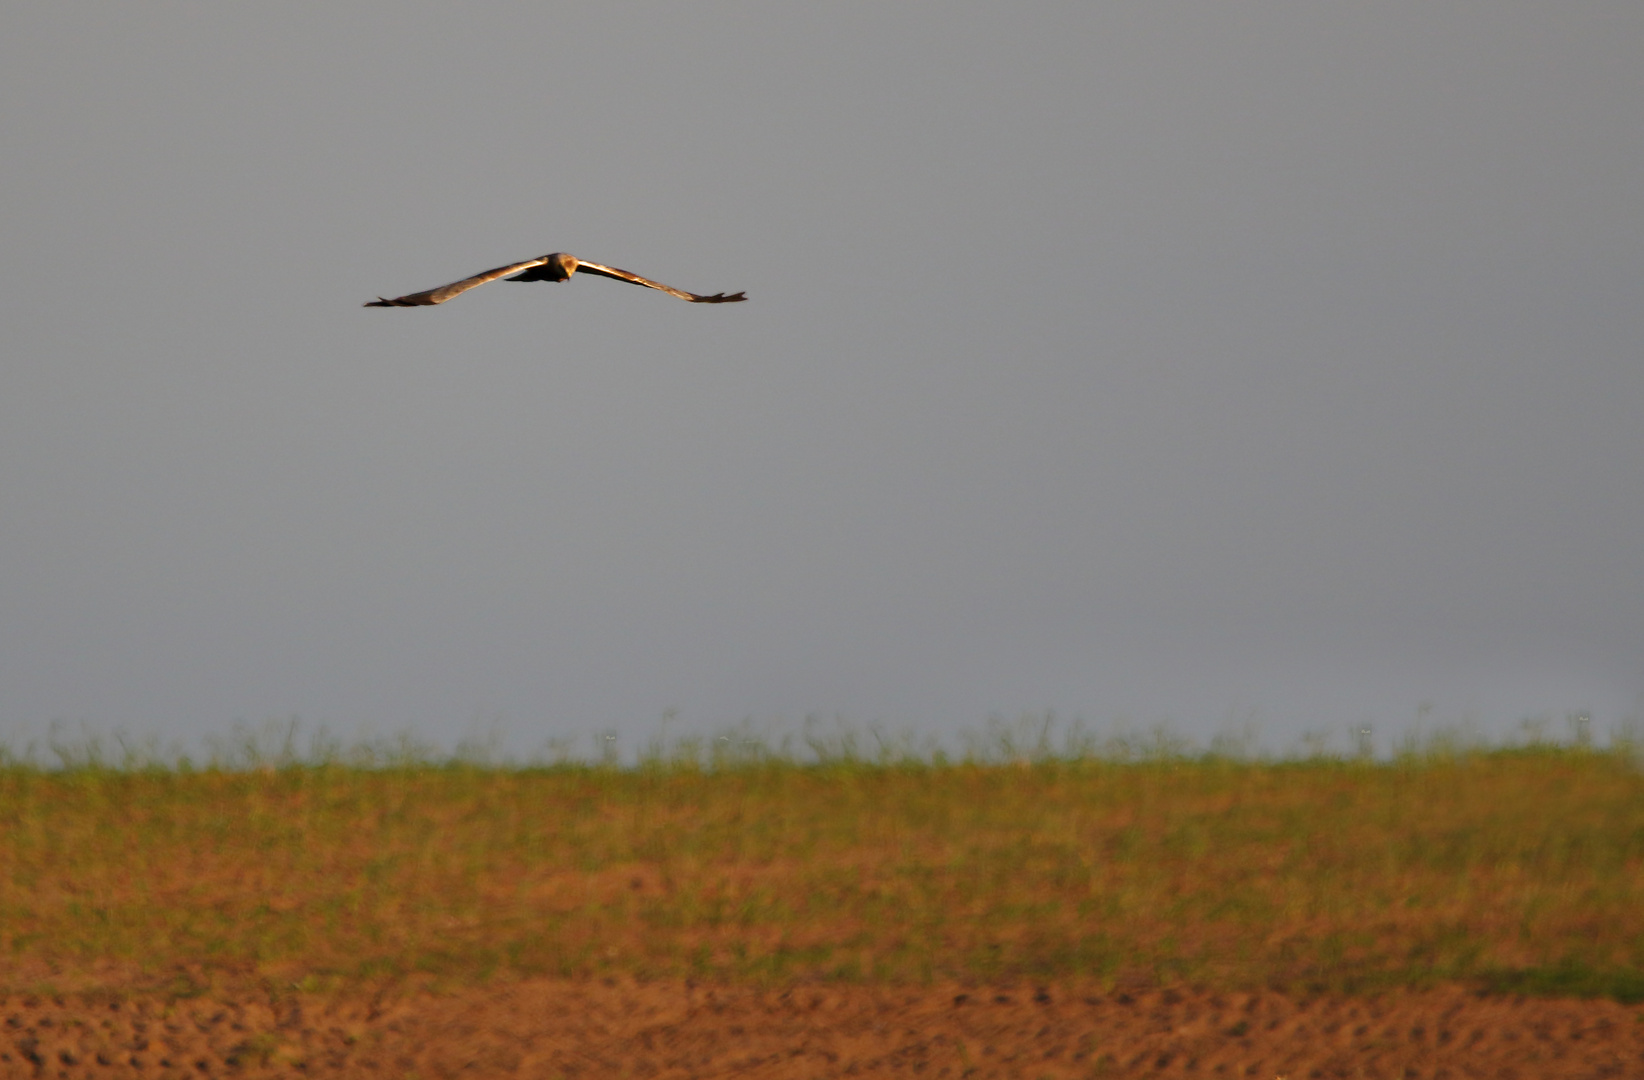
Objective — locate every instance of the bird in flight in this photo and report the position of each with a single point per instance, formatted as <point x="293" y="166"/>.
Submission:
<point x="556" y="267"/>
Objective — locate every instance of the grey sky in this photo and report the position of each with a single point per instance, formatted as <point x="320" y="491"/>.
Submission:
<point x="1166" y="361"/>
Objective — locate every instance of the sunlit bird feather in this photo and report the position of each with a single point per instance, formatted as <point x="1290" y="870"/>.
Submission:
<point x="556" y="267"/>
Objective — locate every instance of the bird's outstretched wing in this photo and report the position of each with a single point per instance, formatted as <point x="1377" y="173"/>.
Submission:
<point x="446" y="292"/>
<point x="623" y="275"/>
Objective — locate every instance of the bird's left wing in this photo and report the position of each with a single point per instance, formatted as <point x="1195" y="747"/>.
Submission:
<point x="623" y="275"/>
<point x="446" y="292"/>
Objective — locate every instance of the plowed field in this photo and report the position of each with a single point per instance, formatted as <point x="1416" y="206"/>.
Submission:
<point x="1079" y="917"/>
<point x="616" y="1027"/>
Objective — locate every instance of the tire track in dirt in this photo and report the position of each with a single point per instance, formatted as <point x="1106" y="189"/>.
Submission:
<point x="597" y="1028"/>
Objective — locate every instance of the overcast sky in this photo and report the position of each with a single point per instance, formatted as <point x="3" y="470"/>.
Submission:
<point x="1196" y="363"/>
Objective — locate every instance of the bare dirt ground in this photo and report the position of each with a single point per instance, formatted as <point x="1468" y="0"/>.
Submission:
<point x="617" y="1028"/>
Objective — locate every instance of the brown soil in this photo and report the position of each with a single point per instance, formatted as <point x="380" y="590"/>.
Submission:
<point x="610" y="1028"/>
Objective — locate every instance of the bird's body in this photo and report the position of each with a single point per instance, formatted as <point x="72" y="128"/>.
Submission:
<point x="555" y="267"/>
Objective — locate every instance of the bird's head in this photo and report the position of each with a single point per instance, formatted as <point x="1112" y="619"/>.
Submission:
<point x="566" y="265"/>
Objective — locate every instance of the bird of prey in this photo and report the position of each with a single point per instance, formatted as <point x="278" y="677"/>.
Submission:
<point x="556" y="267"/>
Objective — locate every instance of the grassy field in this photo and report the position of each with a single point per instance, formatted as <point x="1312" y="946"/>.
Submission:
<point x="1517" y="869"/>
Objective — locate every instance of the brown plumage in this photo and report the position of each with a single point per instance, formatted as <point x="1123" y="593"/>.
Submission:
<point x="556" y="267"/>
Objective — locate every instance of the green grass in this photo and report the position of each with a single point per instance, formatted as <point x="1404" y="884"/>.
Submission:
<point x="1518" y="870"/>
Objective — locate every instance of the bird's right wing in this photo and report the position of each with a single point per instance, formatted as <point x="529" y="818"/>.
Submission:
<point x="446" y="292"/>
<point x="623" y="275"/>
